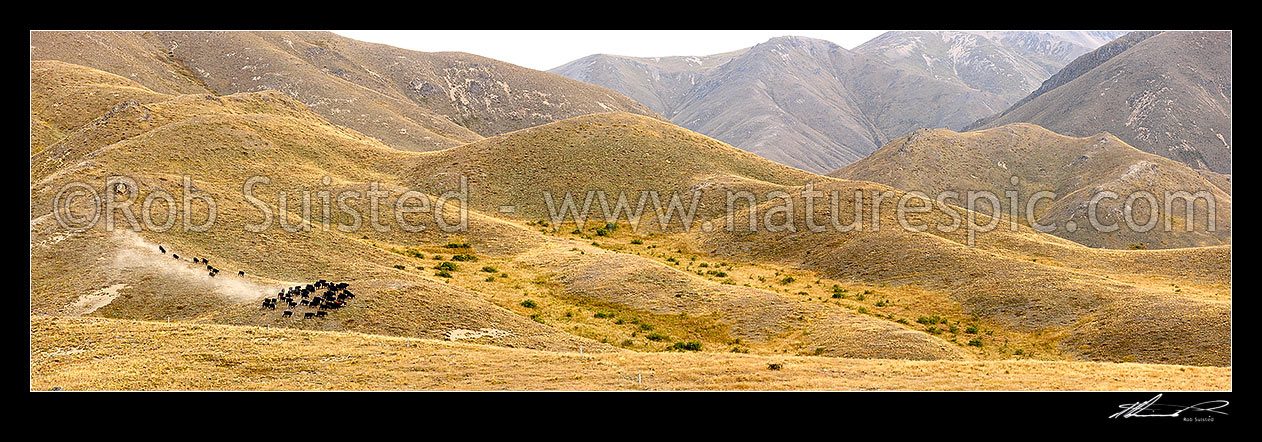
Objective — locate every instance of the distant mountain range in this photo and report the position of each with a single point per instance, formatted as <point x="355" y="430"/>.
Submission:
<point x="817" y="106"/>
<point x="1165" y="93"/>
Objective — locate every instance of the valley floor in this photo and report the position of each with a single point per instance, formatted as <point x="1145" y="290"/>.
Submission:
<point x="78" y="353"/>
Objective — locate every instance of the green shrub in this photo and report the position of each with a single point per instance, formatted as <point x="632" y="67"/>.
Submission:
<point x="787" y="280"/>
<point x="602" y="315"/>
<point x="458" y="245"/>
<point x="489" y="269"/>
<point x="971" y="329"/>
<point x="443" y="273"/>
<point x="529" y="303"/>
<point x="446" y="265"/>
<point x="975" y="342"/>
<point x="637" y="242"/>
<point x="687" y="346"/>
<point x="657" y="337"/>
<point x="400" y="267"/>
<point x="464" y="257"/>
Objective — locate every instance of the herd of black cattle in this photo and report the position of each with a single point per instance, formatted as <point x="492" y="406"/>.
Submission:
<point x="209" y="268"/>
<point x="334" y="296"/>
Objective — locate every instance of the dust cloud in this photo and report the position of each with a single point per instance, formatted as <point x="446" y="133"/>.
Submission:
<point x="134" y="253"/>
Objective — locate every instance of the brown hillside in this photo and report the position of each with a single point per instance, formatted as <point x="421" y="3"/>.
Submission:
<point x="65" y="97"/>
<point x="1074" y="169"/>
<point x="222" y="141"/>
<point x="1020" y="301"/>
<point x="1055" y="294"/>
<point x="611" y="152"/>
<point x="408" y="100"/>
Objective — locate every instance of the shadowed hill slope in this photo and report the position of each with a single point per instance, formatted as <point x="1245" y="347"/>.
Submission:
<point x="1074" y="169"/>
<point x="1022" y="279"/>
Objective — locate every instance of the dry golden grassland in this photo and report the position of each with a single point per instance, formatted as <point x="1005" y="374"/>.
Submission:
<point x="110" y="354"/>
<point x="509" y="303"/>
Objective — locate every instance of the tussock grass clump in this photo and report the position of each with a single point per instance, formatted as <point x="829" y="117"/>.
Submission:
<point x="446" y="266"/>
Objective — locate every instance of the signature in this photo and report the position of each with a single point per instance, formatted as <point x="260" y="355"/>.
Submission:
<point x="1151" y="408"/>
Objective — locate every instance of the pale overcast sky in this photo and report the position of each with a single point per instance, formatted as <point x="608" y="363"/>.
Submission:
<point x="545" y="50"/>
